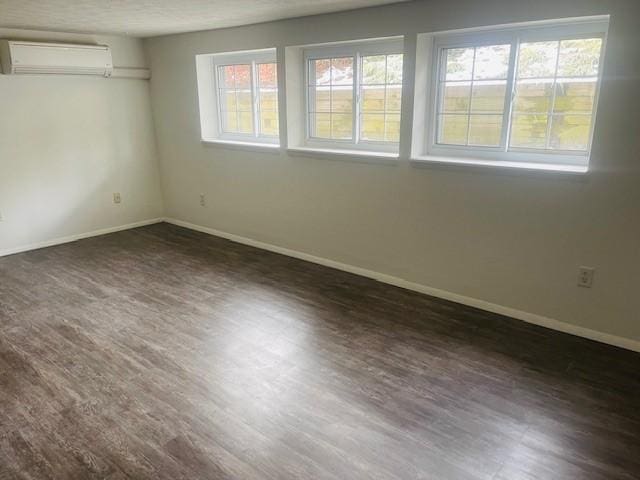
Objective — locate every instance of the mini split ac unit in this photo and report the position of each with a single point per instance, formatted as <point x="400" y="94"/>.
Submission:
<point x="20" y="57"/>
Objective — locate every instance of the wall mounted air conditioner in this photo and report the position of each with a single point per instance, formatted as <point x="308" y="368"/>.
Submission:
<point x="20" y="57"/>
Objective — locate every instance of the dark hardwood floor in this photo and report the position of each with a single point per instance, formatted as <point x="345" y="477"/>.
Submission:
<point x="161" y="353"/>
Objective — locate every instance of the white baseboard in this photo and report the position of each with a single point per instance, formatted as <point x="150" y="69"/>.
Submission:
<point x="80" y="236"/>
<point x="533" y="318"/>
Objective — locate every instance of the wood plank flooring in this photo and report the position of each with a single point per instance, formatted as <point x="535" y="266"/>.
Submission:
<point x="161" y="353"/>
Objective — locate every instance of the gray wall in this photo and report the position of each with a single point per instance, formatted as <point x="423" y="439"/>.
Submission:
<point x="68" y="142"/>
<point x="511" y="239"/>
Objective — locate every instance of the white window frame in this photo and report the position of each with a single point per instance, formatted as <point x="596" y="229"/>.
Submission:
<point x="513" y="36"/>
<point x="253" y="58"/>
<point x="357" y="50"/>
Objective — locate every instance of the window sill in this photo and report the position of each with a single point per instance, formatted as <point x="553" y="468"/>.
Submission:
<point x="427" y="160"/>
<point x="250" y="146"/>
<point x="349" y="155"/>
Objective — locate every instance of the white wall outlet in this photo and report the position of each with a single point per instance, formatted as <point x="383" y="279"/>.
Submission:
<point x="203" y="200"/>
<point x="585" y="276"/>
<point x="116" y="198"/>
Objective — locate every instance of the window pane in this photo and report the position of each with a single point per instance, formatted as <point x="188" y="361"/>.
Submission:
<point x="244" y="100"/>
<point x="227" y="76"/>
<point x="322" y="72"/>
<point x="394" y="98"/>
<point x="492" y="62"/>
<point x="488" y="96"/>
<point x="565" y="84"/>
<point x="485" y="130"/>
<point x="537" y="59"/>
<point x="374" y="69"/>
<point x="456" y="97"/>
<point x="342" y="99"/>
<point x="236" y="99"/>
<point x="245" y="122"/>
<point x="333" y="100"/>
<point x="268" y="99"/>
<point x="481" y="89"/>
<point x="453" y="129"/>
<point x="533" y="96"/>
<point x="574" y="96"/>
<point x="321" y="125"/>
<point x="381" y="97"/>
<point x="394" y="68"/>
<point x="267" y="75"/>
<point x="529" y="131"/>
<point x="243" y="76"/>
<point x="372" y="126"/>
<point x="392" y="128"/>
<point x="459" y="63"/>
<point x="269" y="123"/>
<point x="322" y="102"/>
<point x="342" y="71"/>
<point x="372" y="99"/>
<point x="341" y="126"/>
<point x="580" y="57"/>
<point x="570" y="132"/>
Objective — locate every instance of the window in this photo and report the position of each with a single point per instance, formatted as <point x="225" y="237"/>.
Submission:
<point x="525" y="95"/>
<point x="245" y="98"/>
<point x="353" y="97"/>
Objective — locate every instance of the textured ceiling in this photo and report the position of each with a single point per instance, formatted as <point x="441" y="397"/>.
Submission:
<point x="146" y="18"/>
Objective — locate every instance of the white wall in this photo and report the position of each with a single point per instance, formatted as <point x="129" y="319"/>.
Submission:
<point x="67" y="143"/>
<point x="512" y="239"/>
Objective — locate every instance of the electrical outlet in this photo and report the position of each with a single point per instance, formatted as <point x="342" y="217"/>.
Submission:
<point x="585" y="276"/>
<point x="203" y="201"/>
<point x="116" y="198"/>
